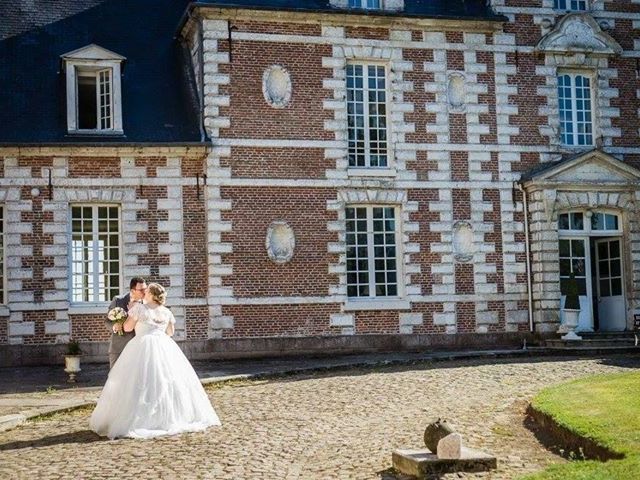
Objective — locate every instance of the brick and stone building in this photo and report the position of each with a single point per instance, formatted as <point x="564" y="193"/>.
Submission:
<point x="319" y="176"/>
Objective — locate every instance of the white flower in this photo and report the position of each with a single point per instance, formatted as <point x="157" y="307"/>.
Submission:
<point x="117" y="314"/>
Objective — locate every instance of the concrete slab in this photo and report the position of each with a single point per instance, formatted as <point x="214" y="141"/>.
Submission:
<point x="422" y="463"/>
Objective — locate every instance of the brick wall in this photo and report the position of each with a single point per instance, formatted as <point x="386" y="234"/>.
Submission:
<point x="251" y="117"/>
<point x="89" y="328"/>
<point x="279" y="320"/>
<point x="254" y="209"/>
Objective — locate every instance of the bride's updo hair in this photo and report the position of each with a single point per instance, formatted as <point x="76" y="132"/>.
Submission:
<point x="158" y="293"/>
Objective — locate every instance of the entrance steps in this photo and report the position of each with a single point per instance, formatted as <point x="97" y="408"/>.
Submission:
<point x="598" y="341"/>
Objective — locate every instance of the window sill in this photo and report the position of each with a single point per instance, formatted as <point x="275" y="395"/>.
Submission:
<point x="371" y="172"/>
<point x="88" y="309"/>
<point x="95" y="133"/>
<point x="375" y="304"/>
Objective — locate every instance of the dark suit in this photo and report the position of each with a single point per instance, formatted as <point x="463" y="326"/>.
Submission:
<point x="118" y="342"/>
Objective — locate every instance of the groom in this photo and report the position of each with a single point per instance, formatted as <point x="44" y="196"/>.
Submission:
<point x="137" y="288"/>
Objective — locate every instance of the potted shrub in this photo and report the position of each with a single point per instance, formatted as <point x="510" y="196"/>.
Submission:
<point x="571" y="310"/>
<point x="72" y="359"/>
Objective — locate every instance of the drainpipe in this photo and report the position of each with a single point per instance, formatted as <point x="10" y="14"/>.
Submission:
<point x="201" y="63"/>
<point x="525" y="209"/>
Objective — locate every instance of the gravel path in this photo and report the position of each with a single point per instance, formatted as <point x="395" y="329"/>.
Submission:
<point x="330" y="425"/>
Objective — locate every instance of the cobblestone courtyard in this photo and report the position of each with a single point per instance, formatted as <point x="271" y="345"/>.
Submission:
<point x="340" y="424"/>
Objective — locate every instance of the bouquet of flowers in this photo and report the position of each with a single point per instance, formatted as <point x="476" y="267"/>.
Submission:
<point x="117" y="315"/>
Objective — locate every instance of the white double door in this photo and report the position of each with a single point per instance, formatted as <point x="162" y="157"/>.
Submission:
<point x="606" y="285"/>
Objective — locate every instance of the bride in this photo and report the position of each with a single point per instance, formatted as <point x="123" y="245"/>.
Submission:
<point x="152" y="389"/>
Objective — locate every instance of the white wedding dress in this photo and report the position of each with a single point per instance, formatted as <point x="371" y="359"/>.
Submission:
<point x="152" y="389"/>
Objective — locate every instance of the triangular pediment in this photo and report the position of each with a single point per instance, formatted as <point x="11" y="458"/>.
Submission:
<point x="578" y="33"/>
<point x="591" y="167"/>
<point x="93" y="52"/>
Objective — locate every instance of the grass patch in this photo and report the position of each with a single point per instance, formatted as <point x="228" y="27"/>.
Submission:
<point x="605" y="409"/>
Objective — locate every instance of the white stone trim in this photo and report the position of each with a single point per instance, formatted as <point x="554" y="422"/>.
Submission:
<point x="214" y="206"/>
<point x="213" y="32"/>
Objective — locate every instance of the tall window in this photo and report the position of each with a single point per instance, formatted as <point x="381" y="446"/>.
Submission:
<point x="372" y="255"/>
<point x="570" y="4"/>
<point x="95" y="253"/>
<point x="369" y="4"/>
<point x="95" y="105"/>
<point x="2" y="295"/>
<point x="367" y="115"/>
<point x="575" y="108"/>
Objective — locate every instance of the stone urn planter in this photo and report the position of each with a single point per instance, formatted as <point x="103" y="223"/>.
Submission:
<point x="72" y="360"/>
<point x="571" y="311"/>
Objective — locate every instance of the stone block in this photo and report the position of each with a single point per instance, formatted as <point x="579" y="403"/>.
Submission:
<point x="424" y="464"/>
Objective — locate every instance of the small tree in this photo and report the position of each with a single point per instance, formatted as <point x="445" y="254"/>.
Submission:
<point x="572" y="301"/>
<point x="73" y="348"/>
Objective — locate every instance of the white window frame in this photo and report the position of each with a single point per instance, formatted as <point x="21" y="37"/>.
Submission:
<point x="574" y="109"/>
<point x="368" y="169"/>
<point x="586" y="224"/>
<point x="568" y="5"/>
<point x="95" y="259"/>
<point x="76" y="69"/>
<point x="93" y="58"/>
<point x="373" y="302"/>
<point x="364" y="4"/>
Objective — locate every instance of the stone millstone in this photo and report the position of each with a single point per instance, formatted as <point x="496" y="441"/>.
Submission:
<point x="435" y="432"/>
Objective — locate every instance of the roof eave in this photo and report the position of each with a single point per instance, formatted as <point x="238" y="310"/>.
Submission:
<point x="493" y="19"/>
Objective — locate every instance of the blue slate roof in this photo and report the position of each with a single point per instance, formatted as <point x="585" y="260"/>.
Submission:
<point x="159" y="100"/>
<point x="159" y="103"/>
<point x="453" y="9"/>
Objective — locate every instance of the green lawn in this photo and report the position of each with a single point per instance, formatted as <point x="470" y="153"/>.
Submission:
<point x="605" y="408"/>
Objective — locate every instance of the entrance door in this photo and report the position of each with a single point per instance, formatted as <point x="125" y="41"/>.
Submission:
<point x="574" y="258"/>
<point x="611" y="305"/>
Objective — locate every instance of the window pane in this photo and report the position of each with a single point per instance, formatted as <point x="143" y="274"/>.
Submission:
<point x="597" y="221"/>
<point x="577" y="248"/>
<point x="577" y="265"/>
<point x="603" y="267"/>
<point x="614" y="249"/>
<point x="94" y="256"/>
<point x="604" y="288"/>
<point x="87" y="106"/>
<point x="582" y="286"/>
<point x="603" y="251"/>
<point x="574" y="109"/>
<point x="615" y="268"/>
<point x="616" y="286"/>
<point x="563" y="248"/>
<point x="576" y="221"/>
<point x="563" y="221"/>
<point x="366" y="93"/>
<point x="611" y="222"/>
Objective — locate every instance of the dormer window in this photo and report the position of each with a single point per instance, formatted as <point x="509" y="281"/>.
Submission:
<point x="94" y="104"/>
<point x="570" y="5"/>
<point x="366" y="4"/>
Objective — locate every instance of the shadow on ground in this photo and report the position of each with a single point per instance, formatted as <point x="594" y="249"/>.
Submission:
<point x="81" y="436"/>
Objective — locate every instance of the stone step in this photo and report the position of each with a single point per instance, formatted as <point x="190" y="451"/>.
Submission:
<point x="591" y="342"/>
<point x="590" y="335"/>
<point x="585" y="350"/>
